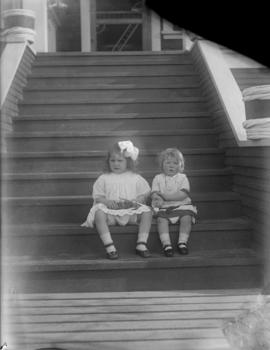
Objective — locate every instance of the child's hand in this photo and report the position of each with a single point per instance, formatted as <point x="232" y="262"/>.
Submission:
<point x="110" y="204"/>
<point x="157" y="200"/>
<point x="126" y="204"/>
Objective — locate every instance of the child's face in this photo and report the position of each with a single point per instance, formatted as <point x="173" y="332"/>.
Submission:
<point x="118" y="163"/>
<point x="171" y="166"/>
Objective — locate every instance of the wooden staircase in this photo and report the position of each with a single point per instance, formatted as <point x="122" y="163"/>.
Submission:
<point x="75" y="105"/>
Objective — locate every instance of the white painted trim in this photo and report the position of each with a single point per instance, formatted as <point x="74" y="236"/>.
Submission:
<point x="156" y="31"/>
<point x="10" y="61"/>
<point x="85" y="25"/>
<point x="237" y="60"/>
<point x="226" y="86"/>
<point x="41" y="23"/>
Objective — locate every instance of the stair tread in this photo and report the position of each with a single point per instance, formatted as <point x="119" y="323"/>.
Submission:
<point x="238" y="223"/>
<point x="119" y="133"/>
<point x="226" y="257"/>
<point x="207" y="196"/>
<point x="71" y="74"/>
<point x="98" y="116"/>
<point x="101" y="153"/>
<point x="114" y="86"/>
<point x="115" y="53"/>
<point x="95" y="100"/>
<point x="198" y="296"/>
<point x="95" y="174"/>
<point x="111" y="63"/>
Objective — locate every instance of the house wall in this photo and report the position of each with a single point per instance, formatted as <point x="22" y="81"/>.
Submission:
<point x="216" y="109"/>
<point x="250" y="166"/>
<point x="9" y="108"/>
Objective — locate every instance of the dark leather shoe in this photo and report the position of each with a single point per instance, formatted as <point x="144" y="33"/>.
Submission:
<point x="143" y="253"/>
<point x="182" y="248"/>
<point x="112" y="255"/>
<point x="168" y="251"/>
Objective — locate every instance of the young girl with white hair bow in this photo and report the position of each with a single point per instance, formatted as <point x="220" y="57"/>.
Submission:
<point x="119" y="196"/>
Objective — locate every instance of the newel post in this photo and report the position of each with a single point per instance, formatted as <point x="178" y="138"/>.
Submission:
<point x="257" y="106"/>
<point x="19" y="25"/>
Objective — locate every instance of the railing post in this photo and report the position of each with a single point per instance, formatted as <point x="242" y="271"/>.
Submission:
<point x="257" y="106"/>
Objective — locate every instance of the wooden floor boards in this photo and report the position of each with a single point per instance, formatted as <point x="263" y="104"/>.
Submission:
<point x="174" y="320"/>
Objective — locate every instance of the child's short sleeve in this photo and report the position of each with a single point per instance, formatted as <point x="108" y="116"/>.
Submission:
<point x="184" y="185"/>
<point x="155" y="184"/>
<point x="142" y="186"/>
<point x="99" y="187"/>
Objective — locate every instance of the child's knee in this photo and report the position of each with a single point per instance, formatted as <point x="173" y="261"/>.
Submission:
<point x="100" y="215"/>
<point x="162" y="222"/>
<point x="147" y="215"/>
<point x="187" y="219"/>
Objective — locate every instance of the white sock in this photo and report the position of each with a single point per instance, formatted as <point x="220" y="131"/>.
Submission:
<point x="183" y="237"/>
<point x="142" y="237"/>
<point x="107" y="239"/>
<point x="165" y="239"/>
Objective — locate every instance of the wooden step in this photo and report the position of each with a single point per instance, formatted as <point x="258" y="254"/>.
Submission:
<point x="102" y="86"/>
<point x="111" y="70"/>
<point x="67" y="161"/>
<point x="172" y="105"/>
<point x="115" y="93"/>
<point x="116" y="58"/>
<point x="74" y="209"/>
<point x="78" y="141"/>
<point x="234" y="268"/>
<point x="60" y="240"/>
<point x="86" y="82"/>
<point x="104" y="122"/>
<point x="74" y="183"/>
<point x="212" y="310"/>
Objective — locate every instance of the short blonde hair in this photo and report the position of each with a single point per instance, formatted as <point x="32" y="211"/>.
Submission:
<point x="174" y="153"/>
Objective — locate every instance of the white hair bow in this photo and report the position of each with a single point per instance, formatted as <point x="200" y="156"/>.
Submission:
<point x="128" y="149"/>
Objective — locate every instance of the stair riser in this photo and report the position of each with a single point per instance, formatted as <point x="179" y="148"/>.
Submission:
<point x="102" y="143"/>
<point x="108" y="59"/>
<point x="73" y="187"/>
<point x="112" y="124"/>
<point x="77" y="213"/>
<point x="186" y="278"/>
<point x="86" y="96"/>
<point x="107" y="70"/>
<point x="90" y="244"/>
<point x="91" y="108"/>
<point x="185" y="81"/>
<point x="68" y="164"/>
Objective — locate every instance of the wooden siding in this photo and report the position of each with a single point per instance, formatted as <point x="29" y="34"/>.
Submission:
<point x="214" y="104"/>
<point x="10" y="106"/>
<point x="247" y="77"/>
<point x="251" y="169"/>
<point x="250" y="165"/>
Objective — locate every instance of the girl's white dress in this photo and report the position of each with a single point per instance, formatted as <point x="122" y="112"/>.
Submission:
<point x="169" y="185"/>
<point x="118" y="187"/>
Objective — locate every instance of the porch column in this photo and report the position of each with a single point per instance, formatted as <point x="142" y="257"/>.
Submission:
<point x="156" y="31"/>
<point x="41" y="23"/>
<point x="85" y="25"/>
<point x="88" y="25"/>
